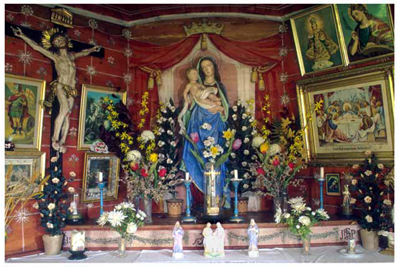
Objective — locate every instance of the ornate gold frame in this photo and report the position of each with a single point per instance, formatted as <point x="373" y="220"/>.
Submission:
<point x="39" y="156"/>
<point x="297" y="43"/>
<point x="326" y="185"/>
<point x="343" y="41"/>
<point x="82" y="114"/>
<point x="113" y="176"/>
<point x="41" y="85"/>
<point x="305" y="88"/>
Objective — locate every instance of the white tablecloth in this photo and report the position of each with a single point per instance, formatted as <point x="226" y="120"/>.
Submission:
<point x="328" y="254"/>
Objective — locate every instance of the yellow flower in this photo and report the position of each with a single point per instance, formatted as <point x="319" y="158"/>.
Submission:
<point x="110" y="107"/>
<point x="227" y="134"/>
<point x="114" y="113"/>
<point x="115" y="124"/>
<point x="106" y="99"/>
<point x="290" y="133"/>
<point x="266" y="97"/>
<point x="264" y="148"/>
<point x="285" y="122"/>
<point x="214" y="150"/>
<point x="153" y="157"/>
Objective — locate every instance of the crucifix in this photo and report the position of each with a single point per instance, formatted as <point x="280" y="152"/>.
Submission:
<point x="212" y="200"/>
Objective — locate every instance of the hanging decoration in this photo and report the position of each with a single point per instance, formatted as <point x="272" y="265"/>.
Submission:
<point x="144" y="110"/>
<point x="154" y="73"/>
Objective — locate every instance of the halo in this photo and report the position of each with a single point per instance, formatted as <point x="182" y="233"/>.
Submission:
<point x="318" y="21"/>
<point x="349" y="11"/>
<point x="199" y="54"/>
<point x="48" y="36"/>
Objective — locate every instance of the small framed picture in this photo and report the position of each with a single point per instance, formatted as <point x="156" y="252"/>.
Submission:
<point x="108" y="165"/>
<point x="333" y="184"/>
<point x="22" y="171"/>
<point x="23" y="111"/>
<point x="92" y="115"/>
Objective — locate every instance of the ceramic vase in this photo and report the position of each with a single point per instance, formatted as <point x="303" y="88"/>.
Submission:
<point x="369" y="239"/>
<point x="52" y="244"/>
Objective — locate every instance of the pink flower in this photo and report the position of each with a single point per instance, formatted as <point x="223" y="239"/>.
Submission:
<point x="195" y="137"/>
<point x="291" y="165"/>
<point x="162" y="172"/>
<point x="260" y="171"/>
<point x="144" y="173"/>
<point x="236" y="144"/>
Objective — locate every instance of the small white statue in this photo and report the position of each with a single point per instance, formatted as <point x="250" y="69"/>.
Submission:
<point x="177" y="233"/>
<point x="214" y="241"/>
<point x="253" y="231"/>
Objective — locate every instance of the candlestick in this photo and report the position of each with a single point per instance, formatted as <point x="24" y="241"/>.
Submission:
<point x="188" y="217"/>
<point x="321" y="188"/>
<point x="101" y="186"/>
<point x="236" y="217"/>
<point x="100" y="177"/>
<point x="235" y="174"/>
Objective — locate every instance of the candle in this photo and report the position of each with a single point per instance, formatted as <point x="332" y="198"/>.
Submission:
<point x="77" y="240"/>
<point x="352" y="246"/>
<point x="100" y="177"/>
<point x="187" y="176"/>
<point x="322" y="173"/>
<point x="235" y="174"/>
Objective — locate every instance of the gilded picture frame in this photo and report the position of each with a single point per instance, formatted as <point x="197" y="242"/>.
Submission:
<point x="332" y="184"/>
<point x="92" y="115"/>
<point x="377" y="43"/>
<point x="24" y="111"/>
<point x="356" y="114"/>
<point x="23" y="170"/>
<point x="316" y="38"/>
<point x="108" y="164"/>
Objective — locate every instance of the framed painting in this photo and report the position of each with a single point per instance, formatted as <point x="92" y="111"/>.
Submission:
<point x="332" y="184"/>
<point x="347" y="113"/>
<point x="108" y="164"/>
<point x="92" y="115"/>
<point x="23" y="111"/>
<point x="23" y="170"/>
<point x="366" y="31"/>
<point x="316" y="38"/>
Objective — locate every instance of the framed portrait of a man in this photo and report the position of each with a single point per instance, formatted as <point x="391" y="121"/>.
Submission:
<point x="92" y="114"/>
<point x="23" y="111"/>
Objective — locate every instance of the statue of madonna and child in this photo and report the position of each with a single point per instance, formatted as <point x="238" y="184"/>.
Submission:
<point x="204" y="118"/>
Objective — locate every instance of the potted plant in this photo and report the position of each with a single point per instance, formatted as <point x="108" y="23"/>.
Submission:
<point x="53" y="208"/>
<point x="368" y="202"/>
<point x="168" y="143"/>
<point x="300" y="219"/>
<point x="125" y="220"/>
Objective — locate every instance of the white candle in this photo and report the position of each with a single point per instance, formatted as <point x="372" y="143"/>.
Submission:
<point x="100" y="177"/>
<point x="352" y="246"/>
<point x="235" y="174"/>
<point x="322" y="173"/>
<point x="187" y="176"/>
<point x="77" y="240"/>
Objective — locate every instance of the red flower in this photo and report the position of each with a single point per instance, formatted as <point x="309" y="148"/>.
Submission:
<point x="260" y="171"/>
<point x="134" y="166"/>
<point x="143" y="173"/>
<point x="291" y="165"/>
<point x="162" y="172"/>
<point x="275" y="162"/>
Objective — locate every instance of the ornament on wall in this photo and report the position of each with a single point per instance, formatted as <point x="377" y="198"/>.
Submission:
<point x="42" y="72"/>
<point x="27" y="10"/>
<point x="93" y="24"/>
<point x="126" y="33"/>
<point x="62" y="16"/>
<point x="110" y="60"/>
<point x="25" y="57"/>
<point x="10" y="17"/>
<point x="8" y="67"/>
<point x="77" y="33"/>
<point x="205" y="26"/>
<point x="128" y="52"/>
<point x="127" y="78"/>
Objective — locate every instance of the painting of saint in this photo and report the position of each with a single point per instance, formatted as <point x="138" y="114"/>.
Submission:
<point x="367" y="30"/>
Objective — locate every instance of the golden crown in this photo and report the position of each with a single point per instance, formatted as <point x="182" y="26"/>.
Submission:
<point x="203" y="27"/>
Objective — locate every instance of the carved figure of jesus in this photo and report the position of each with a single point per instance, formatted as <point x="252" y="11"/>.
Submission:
<point x="64" y="86"/>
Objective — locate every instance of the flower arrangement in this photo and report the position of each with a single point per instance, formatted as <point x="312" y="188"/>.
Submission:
<point x="52" y="201"/>
<point x="124" y="219"/>
<point x="369" y="193"/>
<point x="243" y="154"/>
<point x="301" y="218"/>
<point x="99" y="147"/>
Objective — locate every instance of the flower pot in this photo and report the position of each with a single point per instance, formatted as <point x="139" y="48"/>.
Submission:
<point x="52" y="244"/>
<point x="243" y="203"/>
<point x="369" y="239"/>
<point x="174" y="207"/>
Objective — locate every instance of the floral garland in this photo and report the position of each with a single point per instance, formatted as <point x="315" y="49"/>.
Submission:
<point x="144" y="110"/>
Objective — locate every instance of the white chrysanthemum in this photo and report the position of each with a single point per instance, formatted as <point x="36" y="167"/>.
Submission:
<point x="118" y="207"/>
<point x="127" y="205"/>
<point x="323" y="213"/>
<point x="278" y="215"/>
<point x="206" y="126"/>
<point x="257" y="141"/>
<point x="51" y="206"/>
<point x="274" y="149"/>
<point x="115" y="218"/>
<point x="55" y="180"/>
<point x="141" y="213"/>
<point x="286" y="215"/>
<point x="147" y="136"/>
<point x="103" y="219"/>
<point x="134" y="155"/>
<point x="131" y="228"/>
<point x="295" y="200"/>
<point x="304" y="220"/>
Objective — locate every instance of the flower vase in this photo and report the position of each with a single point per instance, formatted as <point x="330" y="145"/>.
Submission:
<point x="121" y="253"/>
<point x="278" y="203"/>
<point x="148" y="209"/>
<point x="306" y="245"/>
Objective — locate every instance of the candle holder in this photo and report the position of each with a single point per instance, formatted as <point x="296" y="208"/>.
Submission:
<point x="101" y="186"/>
<point x="321" y="191"/>
<point x="236" y="217"/>
<point x="188" y="217"/>
<point x="77" y="255"/>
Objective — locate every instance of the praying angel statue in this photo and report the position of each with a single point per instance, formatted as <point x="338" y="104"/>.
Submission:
<point x="56" y="45"/>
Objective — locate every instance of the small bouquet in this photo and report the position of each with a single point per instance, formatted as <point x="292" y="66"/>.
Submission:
<point x="124" y="219"/>
<point x="301" y="218"/>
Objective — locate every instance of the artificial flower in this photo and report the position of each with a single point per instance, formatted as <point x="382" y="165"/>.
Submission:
<point x="71" y="190"/>
<point x="55" y="180"/>
<point x="162" y="172"/>
<point x="260" y="171"/>
<point x="134" y="166"/>
<point x="115" y="218"/>
<point x="237" y="144"/>
<point x="103" y="219"/>
<point x="147" y="136"/>
<point x="264" y="148"/>
<point x="367" y="199"/>
<point x="369" y="219"/>
<point x="131" y="228"/>
<point x="144" y="173"/>
<point x="304" y="220"/>
<point x="153" y="157"/>
<point x="257" y="141"/>
<point x="134" y="155"/>
<point x="51" y="206"/>
<point x="274" y="149"/>
<point x="195" y="137"/>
